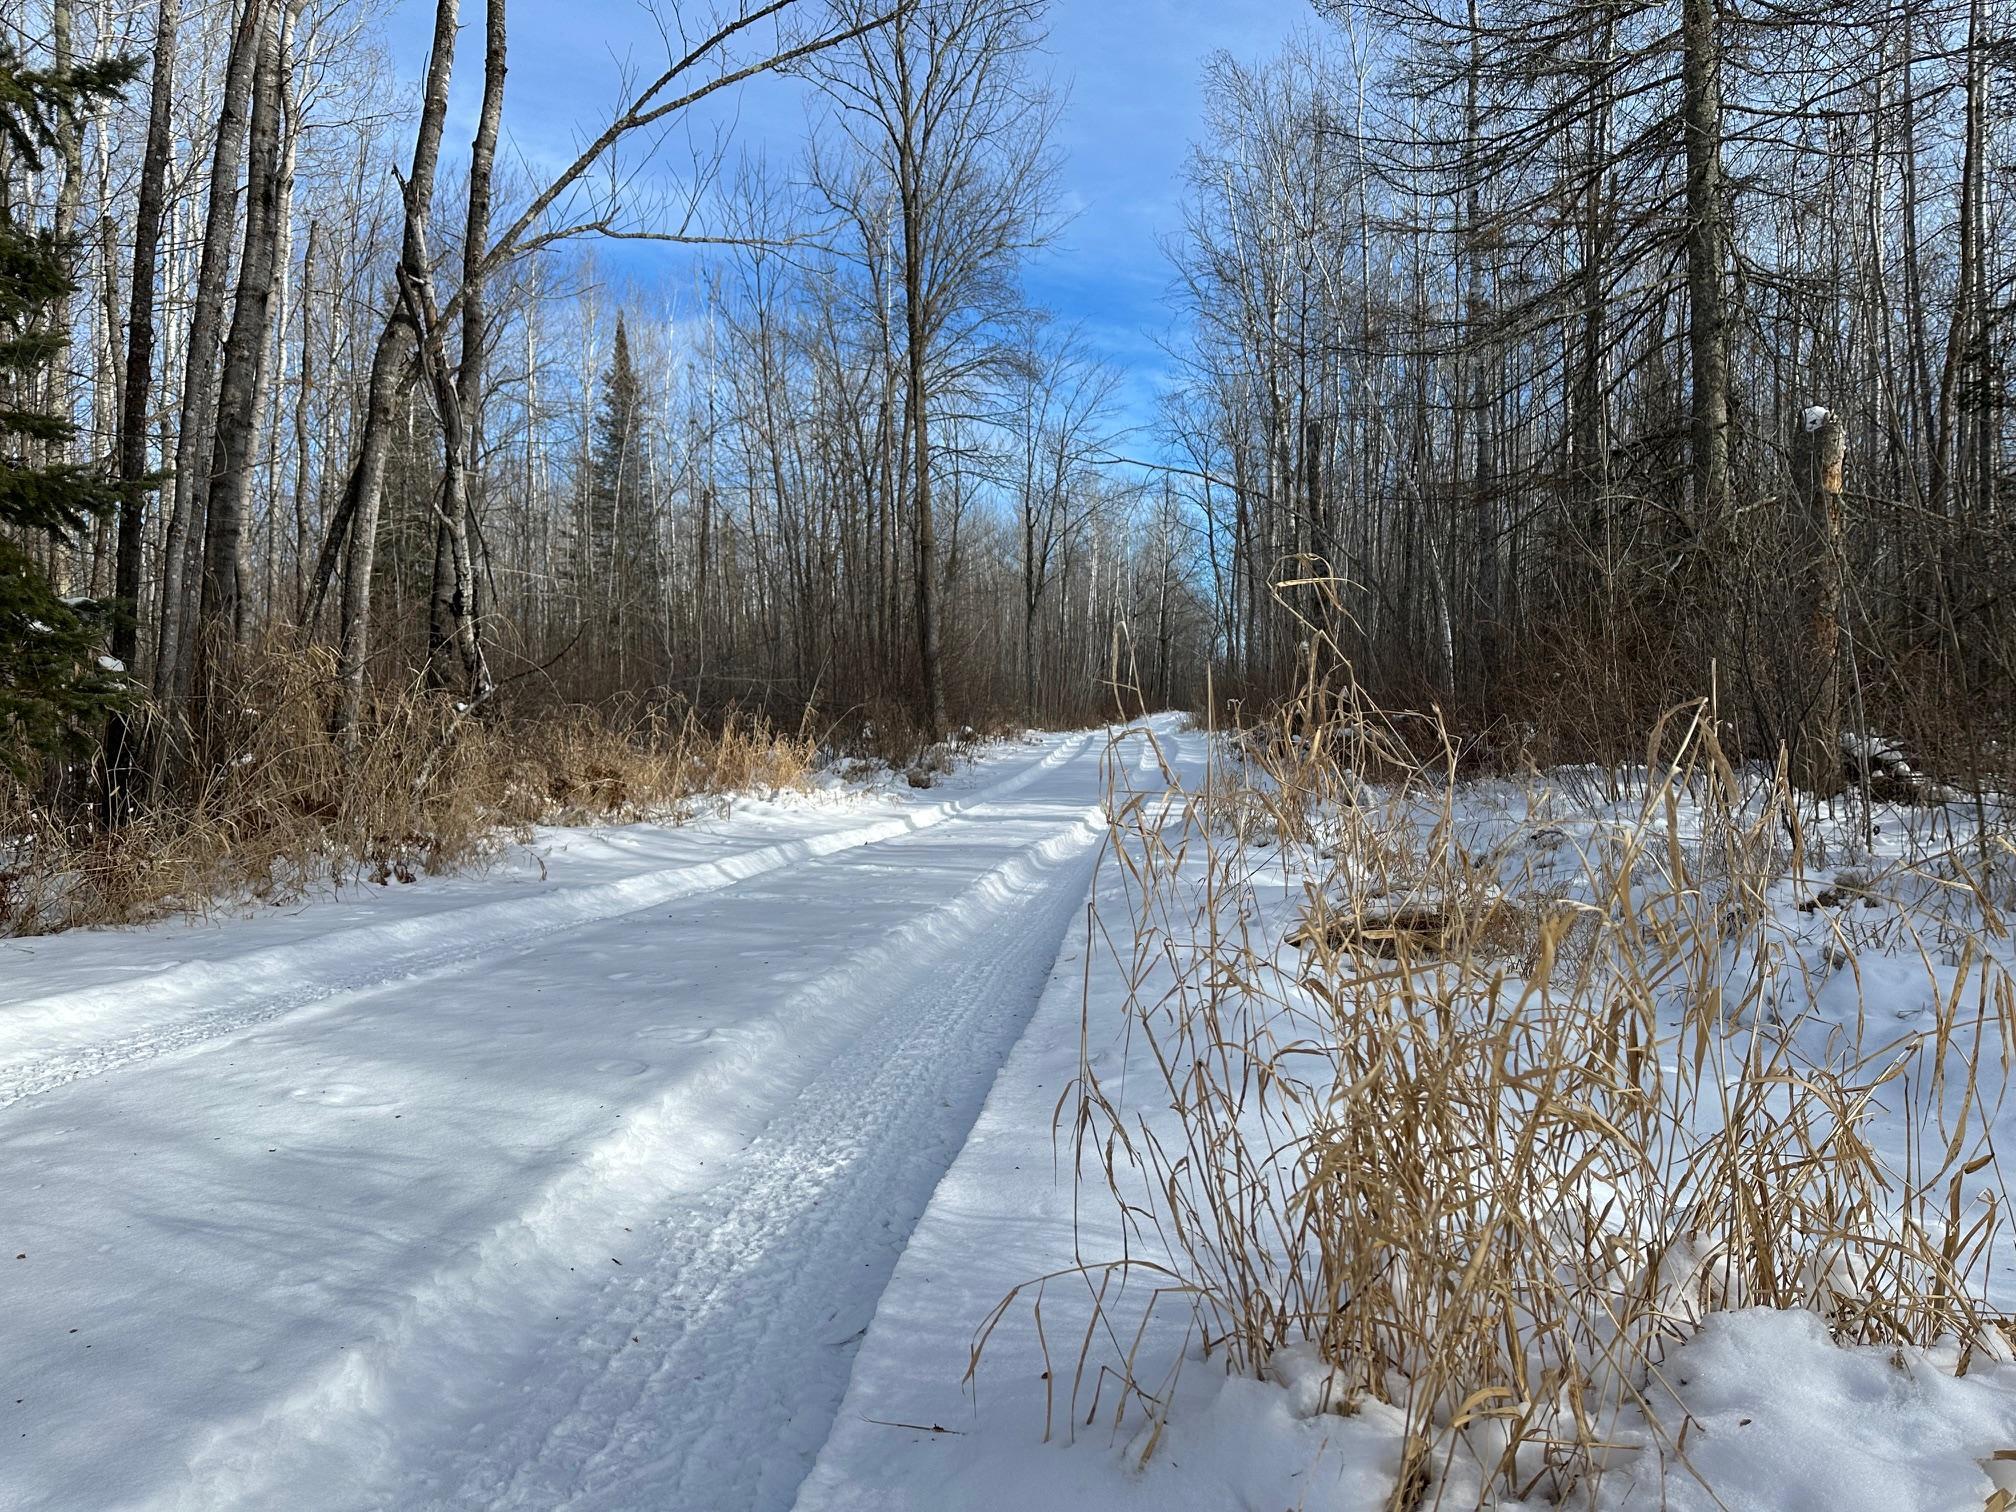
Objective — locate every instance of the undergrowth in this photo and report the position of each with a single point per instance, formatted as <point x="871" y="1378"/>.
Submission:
<point x="1488" y="1128"/>
<point x="263" y="807"/>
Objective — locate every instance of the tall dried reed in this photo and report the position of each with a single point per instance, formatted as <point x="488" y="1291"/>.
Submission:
<point x="1487" y="1127"/>
<point x="262" y="806"/>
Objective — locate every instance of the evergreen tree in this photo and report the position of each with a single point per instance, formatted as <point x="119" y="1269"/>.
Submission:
<point x="619" y="516"/>
<point x="616" y="465"/>
<point x="53" y="676"/>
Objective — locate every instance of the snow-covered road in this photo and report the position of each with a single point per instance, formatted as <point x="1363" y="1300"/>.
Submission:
<point x="568" y="1193"/>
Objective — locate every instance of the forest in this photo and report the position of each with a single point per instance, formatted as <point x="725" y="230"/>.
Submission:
<point x="1538" y="365"/>
<point x="969" y="755"/>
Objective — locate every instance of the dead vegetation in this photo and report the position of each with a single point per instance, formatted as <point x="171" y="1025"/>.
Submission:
<point x="267" y="810"/>
<point x="1490" y="1130"/>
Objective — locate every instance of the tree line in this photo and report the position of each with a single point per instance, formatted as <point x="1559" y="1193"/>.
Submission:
<point x="1578" y="360"/>
<point x="349" y="388"/>
<point x="1545" y="364"/>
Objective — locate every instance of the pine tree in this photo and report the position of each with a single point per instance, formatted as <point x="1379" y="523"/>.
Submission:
<point x="54" y="679"/>
<point x="619" y="515"/>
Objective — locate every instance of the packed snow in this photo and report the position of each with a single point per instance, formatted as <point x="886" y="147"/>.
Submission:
<point x="511" y="1191"/>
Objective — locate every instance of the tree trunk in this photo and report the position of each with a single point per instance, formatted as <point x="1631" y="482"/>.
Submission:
<point x="1945" y="441"/>
<point x="304" y="390"/>
<point x="221" y="618"/>
<point x="119" y="761"/>
<point x="1818" y="452"/>
<point x="69" y="198"/>
<point x="915" y="330"/>
<point x="194" y="439"/>
<point x="367" y="479"/>
<point x="452" y="614"/>
<point x="1707" y="259"/>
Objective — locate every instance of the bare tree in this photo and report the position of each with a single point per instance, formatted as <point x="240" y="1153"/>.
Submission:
<point x="196" y="432"/>
<point x="1060" y="416"/>
<point x="137" y="382"/>
<point x="941" y="103"/>
<point x="240" y="387"/>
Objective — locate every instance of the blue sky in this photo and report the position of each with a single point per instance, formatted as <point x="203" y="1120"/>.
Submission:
<point x="1130" y="69"/>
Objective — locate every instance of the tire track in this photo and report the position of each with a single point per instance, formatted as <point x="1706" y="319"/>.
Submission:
<point x="906" y="1034"/>
<point x="253" y="989"/>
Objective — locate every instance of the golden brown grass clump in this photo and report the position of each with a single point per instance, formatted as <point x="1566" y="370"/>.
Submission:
<point x="1489" y="1131"/>
<point x="262" y="807"/>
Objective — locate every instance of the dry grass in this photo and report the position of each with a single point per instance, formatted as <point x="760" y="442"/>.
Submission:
<point x="266" y="810"/>
<point x="1490" y="1132"/>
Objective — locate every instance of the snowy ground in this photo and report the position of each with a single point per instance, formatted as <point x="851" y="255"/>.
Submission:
<point x="509" y="1191"/>
<point x="670" y="1165"/>
<point x="1777" y="1417"/>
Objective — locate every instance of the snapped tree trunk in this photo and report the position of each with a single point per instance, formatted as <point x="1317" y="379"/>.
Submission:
<point x="1818" y="452"/>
